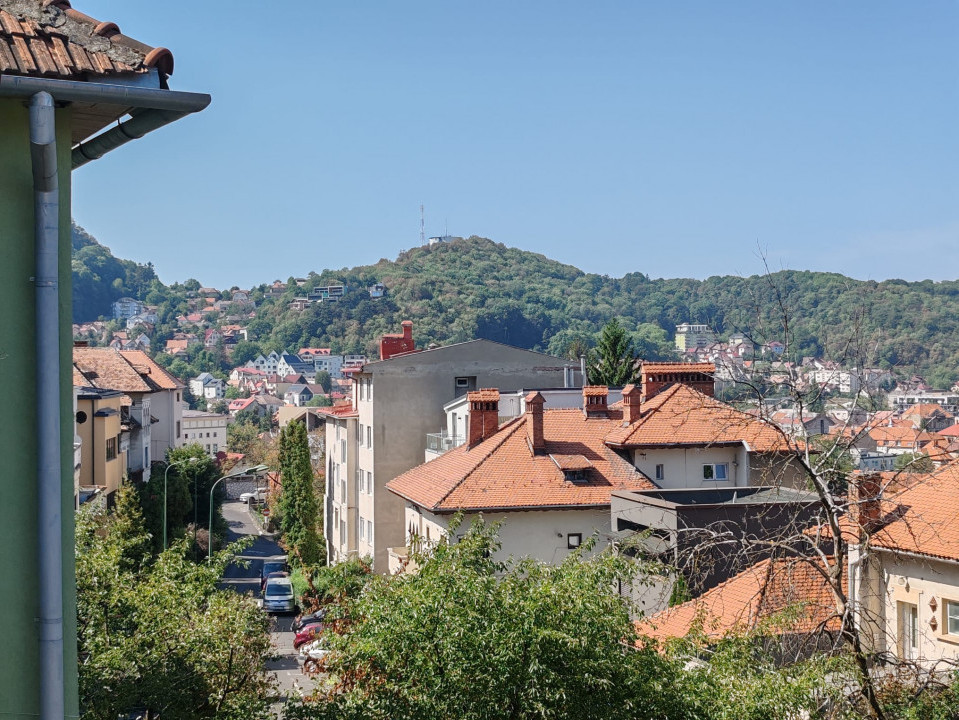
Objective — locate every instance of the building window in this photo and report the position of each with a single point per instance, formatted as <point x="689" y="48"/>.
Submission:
<point x="178" y="429"/>
<point x="369" y="531"/>
<point x="111" y="448"/>
<point x="574" y="540"/>
<point x="908" y="631"/>
<point x="215" y="447"/>
<point x="716" y="471"/>
<point x="660" y="472"/>
<point x="362" y="529"/>
<point x="359" y="439"/>
<point x="369" y="483"/>
<point x="952" y="617"/>
<point x="369" y="436"/>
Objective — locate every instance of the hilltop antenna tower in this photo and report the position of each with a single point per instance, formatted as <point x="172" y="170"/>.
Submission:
<point x="422" y="226"/>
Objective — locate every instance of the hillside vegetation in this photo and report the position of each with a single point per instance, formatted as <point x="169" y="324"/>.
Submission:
<point x="478" y="288"/>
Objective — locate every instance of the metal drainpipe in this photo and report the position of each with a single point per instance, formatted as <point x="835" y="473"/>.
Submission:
<point x="43" y="153"/>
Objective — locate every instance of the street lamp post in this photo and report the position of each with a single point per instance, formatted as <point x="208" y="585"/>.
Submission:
<point x="238" y="473"/>
<point x="166" y="475"/>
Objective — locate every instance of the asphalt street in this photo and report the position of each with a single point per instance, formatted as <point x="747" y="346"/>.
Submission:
<point x="290" y="679"/>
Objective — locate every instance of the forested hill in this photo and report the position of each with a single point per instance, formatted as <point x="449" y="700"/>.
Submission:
<point x="478" y="288"/>
<point x="99" y="278"/>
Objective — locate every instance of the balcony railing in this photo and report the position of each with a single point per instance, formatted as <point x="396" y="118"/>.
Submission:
<point x="443" y="442"/>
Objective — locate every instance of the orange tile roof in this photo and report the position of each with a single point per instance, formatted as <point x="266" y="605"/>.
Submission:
<point x="926" y="410"/>
<point x="502" y="473"/>
<point x="145" y="365"/>
<point x="338" y="411"/>
<point x="951" y="431"/>
<point x="106" y="368"/>
<point x="922" y="518"/>
<point x="745" y="600"/>
<point x="680" y="415"/>
<point x="51" y="39"/>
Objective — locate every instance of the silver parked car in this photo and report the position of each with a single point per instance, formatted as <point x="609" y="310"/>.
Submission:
<point x="278" y="595"/>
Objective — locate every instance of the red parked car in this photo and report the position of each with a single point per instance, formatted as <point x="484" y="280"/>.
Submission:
<point x="307" y="633"/>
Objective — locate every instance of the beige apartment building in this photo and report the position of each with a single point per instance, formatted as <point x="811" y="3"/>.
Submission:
<point x="397" y="401"/>
<point x="103" y="461"/>
<point x="208" y="430"/>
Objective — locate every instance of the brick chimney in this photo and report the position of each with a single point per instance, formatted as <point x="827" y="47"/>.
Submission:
<point x="658" y="376"/>
<point x="594" y="401"/>
<point x="534" y="422"/>
<point x="632" y="403"/>
<point x="397" y="344"/>
<point x="865" y="500"/>
<point x="484" y="415"/>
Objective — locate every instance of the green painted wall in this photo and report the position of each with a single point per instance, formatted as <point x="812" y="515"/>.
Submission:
<point x="19" y="686"/>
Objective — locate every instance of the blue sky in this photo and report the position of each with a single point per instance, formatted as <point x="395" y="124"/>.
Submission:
<point x="677" y="139"/>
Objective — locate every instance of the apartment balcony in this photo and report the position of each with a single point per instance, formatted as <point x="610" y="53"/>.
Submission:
<point x="399" y="561"/>
<point x="439" y="443"/>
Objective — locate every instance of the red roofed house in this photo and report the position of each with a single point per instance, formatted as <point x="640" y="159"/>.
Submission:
<point x="551" y="473"/>
<point x="154" y="409"/>
<point x="793" y="589"/>
<point x="398" y="401"/>
<point x="906" y="585"/>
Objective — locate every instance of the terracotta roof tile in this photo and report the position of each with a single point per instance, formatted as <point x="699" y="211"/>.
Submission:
<point x="130" y="371"/>
<point x="146" y="366"/>
<point x="501" y="472"/>
<point x="672" y="367"/>
<point x="922" y="518"/>
<point x="680" y="415"/>
<point x="51" y="39"/>
<point x="746" y="599"/>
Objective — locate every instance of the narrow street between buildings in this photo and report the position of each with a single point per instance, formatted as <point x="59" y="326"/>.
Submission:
<point x="291" y="680"/>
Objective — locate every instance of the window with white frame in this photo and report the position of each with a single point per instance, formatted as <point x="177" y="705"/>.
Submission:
<point x="660" y="472"/>
<point x="369" y="483"/>
<point x="369" y="436"/>
<point x="359" y="439"/>
<point x="952" y="617"/>
<point x="716" y="471"/>
<point x="369" y="531"/>
<point x="362" y="528"/>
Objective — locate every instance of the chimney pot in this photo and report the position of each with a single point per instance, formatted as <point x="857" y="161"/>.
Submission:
<point x="534" y="422"/>
<point x="865" y="499"/>
<point x="484" y="415"/>
<point x="595" y="401"/>
<point x="632" y="403"/>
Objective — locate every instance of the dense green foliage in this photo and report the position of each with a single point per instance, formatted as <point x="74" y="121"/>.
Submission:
<point x="99" y="278"/>
<point x="614" y="357"/>
<point x="298" y="499"/>
<point x="472" y="288"/>
<point x="469" y="637"/>
<point x="466" y="636"/>
<point x="155" y="633"/>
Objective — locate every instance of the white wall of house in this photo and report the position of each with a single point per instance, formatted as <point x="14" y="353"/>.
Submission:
<point x="341" y="489"/>
<point x="545" y="535"/>
<point x="896" y="597"/>
<point x="205" y="429"/>
<point x="167" y="408"/>
<point x="683" y="467"/>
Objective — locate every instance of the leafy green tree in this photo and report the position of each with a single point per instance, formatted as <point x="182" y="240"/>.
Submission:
<point x="614" y="357"/>
<point x="298" y="502"/>
<point x="244" y="351"/>
<point x="319" y="401"/>
<point x="469" y="637"/>
<point x="324" y="380"/>
<point x="240" y="436"/>
<point x="158" y="634"/>
<point x="913" y="463"/>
